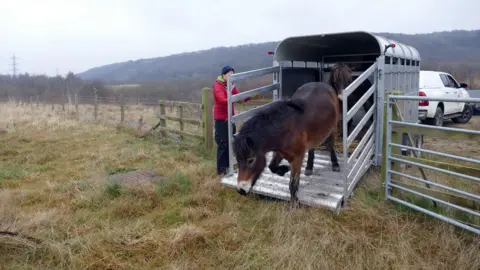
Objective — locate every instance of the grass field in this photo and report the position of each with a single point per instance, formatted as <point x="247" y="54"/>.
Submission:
<point x="54" y="192"/>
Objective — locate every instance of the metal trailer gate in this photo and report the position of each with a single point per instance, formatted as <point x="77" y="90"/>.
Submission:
<point x="298" y="60"/>
<point x="396" y="180"/>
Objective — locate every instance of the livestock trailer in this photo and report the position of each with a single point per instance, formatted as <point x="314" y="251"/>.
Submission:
<point x="379" y="65"/>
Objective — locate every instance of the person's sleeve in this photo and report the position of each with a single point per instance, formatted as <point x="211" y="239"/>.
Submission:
<point x="220" y="95"/>
<point x="235" y="91"/>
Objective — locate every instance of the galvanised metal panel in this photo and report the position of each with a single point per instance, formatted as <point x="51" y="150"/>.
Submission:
<point x="314" y="47"/>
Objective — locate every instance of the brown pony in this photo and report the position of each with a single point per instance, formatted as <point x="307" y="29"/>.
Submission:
<point x="288" y="128"/>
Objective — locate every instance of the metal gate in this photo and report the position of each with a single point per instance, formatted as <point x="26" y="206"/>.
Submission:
<point x="275" y="86"/>
<point x="356" y="164"/>
<point x="462" y="203"/>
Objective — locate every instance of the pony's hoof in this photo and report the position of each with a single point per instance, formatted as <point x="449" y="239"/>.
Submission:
<point x="308" y="172"/>
<point x="282" y="170"/>
<point x="336" y="168"/>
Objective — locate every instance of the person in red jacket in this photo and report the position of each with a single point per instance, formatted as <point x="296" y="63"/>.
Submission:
<point x="220" y="115"/>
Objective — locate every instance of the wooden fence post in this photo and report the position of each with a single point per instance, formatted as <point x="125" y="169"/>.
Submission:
<point x="180" y="121"/>
<point x="207" y="118"/>
<point x="140" y="124"/>
<point x="76" y="103"/>
<point x="95" y="103"/>
<point x="122" y="106"/>
<point x="163" y="123"/>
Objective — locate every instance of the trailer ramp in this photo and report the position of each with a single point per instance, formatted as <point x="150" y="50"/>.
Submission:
<point x="324" y="188"/>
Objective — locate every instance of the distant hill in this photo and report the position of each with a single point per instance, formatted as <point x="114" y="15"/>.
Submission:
<point x="439" y="48"/>
<point x="184" y="65"/>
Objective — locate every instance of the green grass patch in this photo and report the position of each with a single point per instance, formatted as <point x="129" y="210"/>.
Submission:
<point x="42" y="168"/>
<point x="172" y="216"/>
<point x="12" y="172"/>
<point x="113" y="190"/>
<point x="174" y="186"/>
<point x="112" y="171"/>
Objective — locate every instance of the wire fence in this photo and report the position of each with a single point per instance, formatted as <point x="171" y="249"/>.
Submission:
<point x="176" y="119"/>
<point x="143" y="113"/>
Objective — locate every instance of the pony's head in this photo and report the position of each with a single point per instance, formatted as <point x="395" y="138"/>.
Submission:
<point x="340" y="77"/>
<point x="250" y="159"/>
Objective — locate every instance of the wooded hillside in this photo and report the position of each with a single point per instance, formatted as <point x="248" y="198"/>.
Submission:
<point x="457" y="47"/>
<point x="181" y="76"/>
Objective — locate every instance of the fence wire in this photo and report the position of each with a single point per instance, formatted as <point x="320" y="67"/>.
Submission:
<point x="140" y="113"/>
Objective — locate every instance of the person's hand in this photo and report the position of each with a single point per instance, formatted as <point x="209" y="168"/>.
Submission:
<point x="255" y="96"/>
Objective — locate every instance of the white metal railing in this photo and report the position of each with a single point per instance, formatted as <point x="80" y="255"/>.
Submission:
<point x="361" y="101"/>
<point x="366" y="147"/>
<point x="475" y="228"/>
<point x="367" y="73"/>
<point x="260" y="90"/>
<point x="276" y="71"/>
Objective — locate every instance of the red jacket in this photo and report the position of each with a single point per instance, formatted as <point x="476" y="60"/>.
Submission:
<point x="220" y="97"/>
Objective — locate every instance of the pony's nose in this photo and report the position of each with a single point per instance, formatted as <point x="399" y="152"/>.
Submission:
<point x="244" y="187"/>
<point x="241" y="191"/>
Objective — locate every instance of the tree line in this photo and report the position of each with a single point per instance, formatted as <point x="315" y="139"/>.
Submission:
<point x="46" y="89"/>
<point x="456" y="52"/>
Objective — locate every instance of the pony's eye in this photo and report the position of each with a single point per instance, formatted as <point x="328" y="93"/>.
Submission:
<point x="250" y="161"/>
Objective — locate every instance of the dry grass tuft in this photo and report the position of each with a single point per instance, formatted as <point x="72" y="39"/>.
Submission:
<point x="54" y="188"/>
<point x="186" y="235"/>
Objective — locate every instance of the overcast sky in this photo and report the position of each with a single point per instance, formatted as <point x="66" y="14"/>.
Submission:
<point x="76" y="35"/>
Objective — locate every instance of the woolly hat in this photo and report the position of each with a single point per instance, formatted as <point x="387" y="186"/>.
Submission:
<point x="227" y="69"/>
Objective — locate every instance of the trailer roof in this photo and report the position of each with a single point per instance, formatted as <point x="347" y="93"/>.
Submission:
<point x="314" y="47"/>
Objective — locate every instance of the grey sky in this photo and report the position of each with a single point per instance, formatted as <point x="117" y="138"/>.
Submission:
<point x="78" y="35"/>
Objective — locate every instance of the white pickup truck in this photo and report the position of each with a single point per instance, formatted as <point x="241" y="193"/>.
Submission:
<point x="442" y="84"/>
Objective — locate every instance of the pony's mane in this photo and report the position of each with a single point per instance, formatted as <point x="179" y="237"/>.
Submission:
<point x="264" y="125"/>
<point x="340" y="77"/>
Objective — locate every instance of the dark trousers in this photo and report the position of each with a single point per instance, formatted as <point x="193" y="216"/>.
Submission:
<point x="221" y="138"/>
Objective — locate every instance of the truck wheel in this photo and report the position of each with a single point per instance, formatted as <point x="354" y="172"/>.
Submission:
<point x="466" y="115"/>
<point x="437" y="120"/>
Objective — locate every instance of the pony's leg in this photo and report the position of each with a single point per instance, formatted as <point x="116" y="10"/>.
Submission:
<point x="349" y="126"/>
<point x="273" y="166"/>
<point x="351" y="100"/>
<point x="296" y="165"/>
<point x="333" y="155"/>
<point x="368" y="104"/>
<point x="350" y="122"/>
<point x="311" y="157"/>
